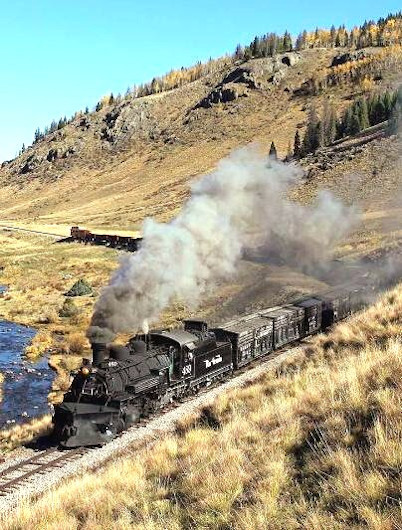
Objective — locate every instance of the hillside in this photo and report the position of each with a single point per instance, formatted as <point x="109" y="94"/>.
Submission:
<point x="316" y="444"/>
<point x="135" y="158"/>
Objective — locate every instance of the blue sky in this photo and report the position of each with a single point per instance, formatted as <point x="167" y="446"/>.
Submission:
<point x="60" y="56"/>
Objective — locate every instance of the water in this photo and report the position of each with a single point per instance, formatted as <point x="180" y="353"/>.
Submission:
<point x="27" y="383"/>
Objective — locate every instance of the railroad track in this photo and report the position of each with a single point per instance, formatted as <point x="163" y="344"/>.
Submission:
<point x="12" y="477"/>
<point x="30" y="231"/>
<point x="33" y="476"/>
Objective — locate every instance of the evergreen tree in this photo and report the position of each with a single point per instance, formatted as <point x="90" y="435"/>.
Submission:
<point x="299" y="45"/>
<point x="363" y="113"/>
<point x="310" y="140"/>
<point x="289" y="154"/>
<point x="320" y="133"/>
<point x="355" y="125"/>
<point x="287" y="42"/>
<point x="328" y="123"/>
<point x="297" y="145"/>
<point x="388" y="103"/>
<point x="333" y="35"/>
<point x="255" y="47"/>
<point x="379" y="113"/>
<point x="238" y="54"/>
<point x="38" y="135"/>
<point x="273" y="155"/>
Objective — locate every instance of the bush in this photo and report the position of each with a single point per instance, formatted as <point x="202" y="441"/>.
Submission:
<point x="69" y="308"/>
<point x="80" y="288"/>
<point x="76" y="343"/>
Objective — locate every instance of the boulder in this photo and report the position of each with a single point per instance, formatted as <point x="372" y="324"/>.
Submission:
<point x="31" y="163"/>
<point x="290" y="58"/>
<point x="220" y="94"/>
<point x="349" y="57"/>
<point x="52" y="155"/>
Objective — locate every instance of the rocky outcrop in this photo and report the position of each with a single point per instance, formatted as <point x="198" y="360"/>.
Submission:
<point x="220" y="94"/>
<point x="52" y="155"/>
<point x="31" y="163"/>
<point x="251" y="75"/>
<point x="349" y="57"/>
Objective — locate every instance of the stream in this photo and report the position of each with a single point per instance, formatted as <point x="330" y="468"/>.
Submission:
<point x="27" y="384"/>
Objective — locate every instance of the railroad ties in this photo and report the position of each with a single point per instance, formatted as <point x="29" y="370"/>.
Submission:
<point x="25" y="471"/>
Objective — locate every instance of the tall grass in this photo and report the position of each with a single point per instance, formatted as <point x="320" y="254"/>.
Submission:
<point x="316" y="445"/>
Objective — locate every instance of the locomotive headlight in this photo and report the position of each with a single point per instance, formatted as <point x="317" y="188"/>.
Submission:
<point x="85" y="370"/>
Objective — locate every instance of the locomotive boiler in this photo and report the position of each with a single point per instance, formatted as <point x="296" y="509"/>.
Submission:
<point x="124" y="383"/>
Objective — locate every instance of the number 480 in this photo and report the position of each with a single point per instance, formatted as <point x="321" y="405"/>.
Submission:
<point x="186" y="370"/>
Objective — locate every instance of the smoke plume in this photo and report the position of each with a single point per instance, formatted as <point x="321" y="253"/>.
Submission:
<point x="242" y="204"/>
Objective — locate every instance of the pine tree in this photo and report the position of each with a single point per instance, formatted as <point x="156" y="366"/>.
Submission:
<point x="355" y="125"/>
<point x="255" y="47"/>
<point x="297" y="146"/>
<point x="378" y="111"/>
<point x="388" y="105"/>
<point x="38" y="135"/>
<point x="328" y="123"/>
<point x="287" y="42"/>
<point x="289" y="154"/>
<point x="333" y="35"/>
<point x="363" y="113"/>
<point x="239" y="52"/>
<point x="273" y="155"/>
<point x="311" y="141"/>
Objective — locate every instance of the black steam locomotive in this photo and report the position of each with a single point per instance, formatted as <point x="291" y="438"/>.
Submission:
<point x="125" y="383"/>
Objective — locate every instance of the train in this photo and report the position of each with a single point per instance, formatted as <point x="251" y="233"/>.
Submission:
<point x="122" y="384"/>
<point x="130" y="244"/>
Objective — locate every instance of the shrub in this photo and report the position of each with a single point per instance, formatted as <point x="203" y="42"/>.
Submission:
<point x="69" y="308"/>
<point x="76" y="343"/>
<point x="80" y="288"/>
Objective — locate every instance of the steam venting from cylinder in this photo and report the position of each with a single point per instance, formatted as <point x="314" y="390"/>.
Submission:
<point x="242" y="205"/>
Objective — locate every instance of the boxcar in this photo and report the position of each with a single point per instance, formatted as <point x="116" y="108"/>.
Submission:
<point x="250" y="336"/>
<point x="335" y="306"/>
<point x="288" y="324"/>
<point x="312" y="317"/>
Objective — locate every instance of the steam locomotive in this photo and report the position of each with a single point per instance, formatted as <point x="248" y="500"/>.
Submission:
<point x="125" y="383"/>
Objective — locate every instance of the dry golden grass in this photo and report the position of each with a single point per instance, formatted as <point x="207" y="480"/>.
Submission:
<point x="38" y="272"/>
<point x="19" y="434"/>
<point x="316" y="445"/>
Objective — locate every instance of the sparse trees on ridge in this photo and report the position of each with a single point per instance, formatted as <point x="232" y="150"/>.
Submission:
<point x="364" y="112"/>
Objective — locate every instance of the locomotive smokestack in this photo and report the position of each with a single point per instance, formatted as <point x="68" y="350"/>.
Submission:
<point x="99" y="352"/>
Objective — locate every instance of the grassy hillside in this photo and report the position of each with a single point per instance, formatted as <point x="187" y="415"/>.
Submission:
<point x="316" y="445"/>
<point x="135" y="158"/>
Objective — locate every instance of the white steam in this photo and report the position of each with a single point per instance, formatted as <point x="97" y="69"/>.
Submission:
<point x="242" y="204"/>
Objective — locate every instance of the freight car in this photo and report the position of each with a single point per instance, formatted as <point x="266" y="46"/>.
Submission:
<point x="131" y="244"/>
<point x="124" y="383"/>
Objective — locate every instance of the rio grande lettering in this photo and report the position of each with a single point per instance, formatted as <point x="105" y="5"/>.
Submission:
<point x="211" y="362"/>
